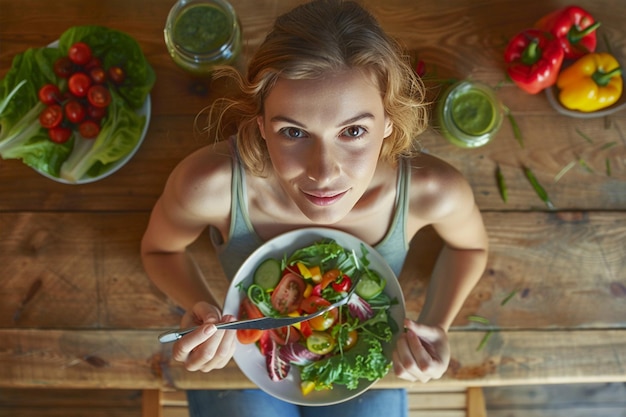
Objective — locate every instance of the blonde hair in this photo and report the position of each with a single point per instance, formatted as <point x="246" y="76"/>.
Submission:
<point x="311" y="41"/>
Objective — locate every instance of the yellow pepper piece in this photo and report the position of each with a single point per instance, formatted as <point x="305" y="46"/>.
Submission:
<point x="295" y="314"/>
<point x="316" y="274"/>
<point x="592" y="83"/>
<point x="306" y="387"/>
<point x="307" y="290"/>
<point x="304" y="271"/>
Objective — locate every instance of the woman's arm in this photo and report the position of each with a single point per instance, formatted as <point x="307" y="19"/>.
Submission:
<point x="442" y="198"/>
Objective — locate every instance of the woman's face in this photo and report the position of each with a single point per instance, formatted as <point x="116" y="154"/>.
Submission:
<point x="324" y="138"/>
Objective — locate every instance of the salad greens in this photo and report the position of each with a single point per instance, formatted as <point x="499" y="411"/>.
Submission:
<point x="21" y="135"/>
<point x="370" y="319"/>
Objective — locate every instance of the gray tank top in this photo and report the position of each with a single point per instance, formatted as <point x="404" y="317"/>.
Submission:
<point x="243" y="240"/>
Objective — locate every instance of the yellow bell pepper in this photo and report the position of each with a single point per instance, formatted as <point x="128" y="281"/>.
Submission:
<point x="592" y="83"/>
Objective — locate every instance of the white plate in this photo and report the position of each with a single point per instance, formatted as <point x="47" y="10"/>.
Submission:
<point x="249" y="358"/>
<point x="145" y="110"/>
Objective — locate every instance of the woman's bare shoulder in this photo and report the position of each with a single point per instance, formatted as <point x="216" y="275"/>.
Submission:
<point x="200" y="185"/>
<point x="437" y="189"/>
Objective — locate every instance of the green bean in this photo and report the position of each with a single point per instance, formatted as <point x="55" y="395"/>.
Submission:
<point x="501" y="184"/>
<point x="541" y="192"/>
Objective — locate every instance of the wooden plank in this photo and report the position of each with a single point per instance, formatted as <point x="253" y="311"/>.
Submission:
<point x="44" y="397"/>
<point x="134" y="359"/>
<point x="598" y="411"/>
<point x="476" y="402"/>
<point x="565" y="266"/>
<point x="611" y="395"/>
<point x="70" y="412"/>
<point x="151" y="403"/>
<point x="437" y="400"/>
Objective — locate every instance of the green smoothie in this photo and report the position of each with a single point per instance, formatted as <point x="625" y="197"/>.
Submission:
<point x="473" y="112"/>
<point x="201" y="34"/>
<point x="469" y="114"/>
<point x="202" y="29"/>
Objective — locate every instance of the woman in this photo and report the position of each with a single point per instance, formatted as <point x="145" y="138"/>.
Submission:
<point x="327" y="122"/>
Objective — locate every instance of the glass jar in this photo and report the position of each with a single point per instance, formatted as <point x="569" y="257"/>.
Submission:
<point x="200" y="34"/>
<point x="469" y="114"/>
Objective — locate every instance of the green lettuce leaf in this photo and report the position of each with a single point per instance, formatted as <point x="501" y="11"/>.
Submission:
<point x="366" y="360"/>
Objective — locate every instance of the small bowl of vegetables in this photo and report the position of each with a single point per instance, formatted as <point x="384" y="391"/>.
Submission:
<point x="336" y="356"/>
<point x="589" y="87"/>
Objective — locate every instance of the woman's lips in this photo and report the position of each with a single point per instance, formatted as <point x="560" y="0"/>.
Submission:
<point x="324" y="199"/>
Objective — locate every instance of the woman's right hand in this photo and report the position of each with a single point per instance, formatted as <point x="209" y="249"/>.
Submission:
<point x="206" y="348"/>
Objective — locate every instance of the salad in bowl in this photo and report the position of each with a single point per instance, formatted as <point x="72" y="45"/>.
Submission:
<point x="330" y="358"/>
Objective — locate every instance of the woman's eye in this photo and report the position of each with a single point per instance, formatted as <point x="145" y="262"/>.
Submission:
<point x="354" y="131"/>
<point x="292" y="132"/>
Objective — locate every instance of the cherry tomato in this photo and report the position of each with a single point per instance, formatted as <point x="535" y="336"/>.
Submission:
<point x="247" y="310"/>
<point x="99" y="96"/>
<point x="350" y="341"/>
<point x="305" y="329"/>
<point x="98" y="75"/>
<point x="342" y="284"/>
<point x="117" y="75"/>
<point x="93" y="63"/>
<point x="265" y="343"/>
<point x="51" y="116"/>
<point x="74" y="111"/>
<point x="313" y="303"/>
<point x="63" y="67"/>
<point x="96" y="113"/>
<point x="59" y="134"/>
<point x="49" y="94"/>
<point x="320" y="343"/>
<point x="285" y="335"/>
<point x="79" y="53"/>
<point x="89" y="129"/>
<point x="326" y="320"/>
<point x="79" y="84"/>
<point x="287" y="295"/>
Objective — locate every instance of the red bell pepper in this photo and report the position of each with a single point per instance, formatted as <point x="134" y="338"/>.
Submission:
<point x="574" y="27"/>
<point x="533" y="60"/>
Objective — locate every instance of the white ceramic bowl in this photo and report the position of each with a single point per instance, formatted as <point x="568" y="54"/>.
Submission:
<point x="249" y="358"/>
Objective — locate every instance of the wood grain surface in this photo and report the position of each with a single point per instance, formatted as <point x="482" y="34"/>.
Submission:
<point x="77" y="310"/>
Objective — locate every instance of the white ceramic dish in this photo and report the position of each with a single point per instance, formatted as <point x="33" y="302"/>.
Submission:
<point x="249" y="358"/>
<point x="552" y="93"/>
<point x="145" y="110"/>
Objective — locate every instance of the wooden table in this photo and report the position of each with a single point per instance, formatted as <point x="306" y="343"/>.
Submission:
<point x="94" y="320"/>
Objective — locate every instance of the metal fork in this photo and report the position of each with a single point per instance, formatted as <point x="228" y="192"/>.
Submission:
<point x="263" y="323"/>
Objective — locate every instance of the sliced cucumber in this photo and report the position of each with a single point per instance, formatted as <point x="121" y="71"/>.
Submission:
<point x="267" y="274"/>
<point x="370" y="286"/>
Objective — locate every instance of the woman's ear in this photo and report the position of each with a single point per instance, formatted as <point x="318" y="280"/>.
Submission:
<point x="388" y="127"/>
<point x="261" y="124"/>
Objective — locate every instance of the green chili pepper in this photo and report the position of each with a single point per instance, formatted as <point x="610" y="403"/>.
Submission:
<point x="509" y="297"/>
<point x="478" y="319"/>
<point x="501" y="184"/>
<point x="607" y="162"/>
<point x="541" y="192"/>
<point x="484" y="340"/>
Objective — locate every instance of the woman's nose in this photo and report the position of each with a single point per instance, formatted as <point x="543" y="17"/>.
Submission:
<point x="323" y="166"/>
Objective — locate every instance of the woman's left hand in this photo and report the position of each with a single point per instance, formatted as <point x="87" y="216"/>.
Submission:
<point x="422" y="352"/>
